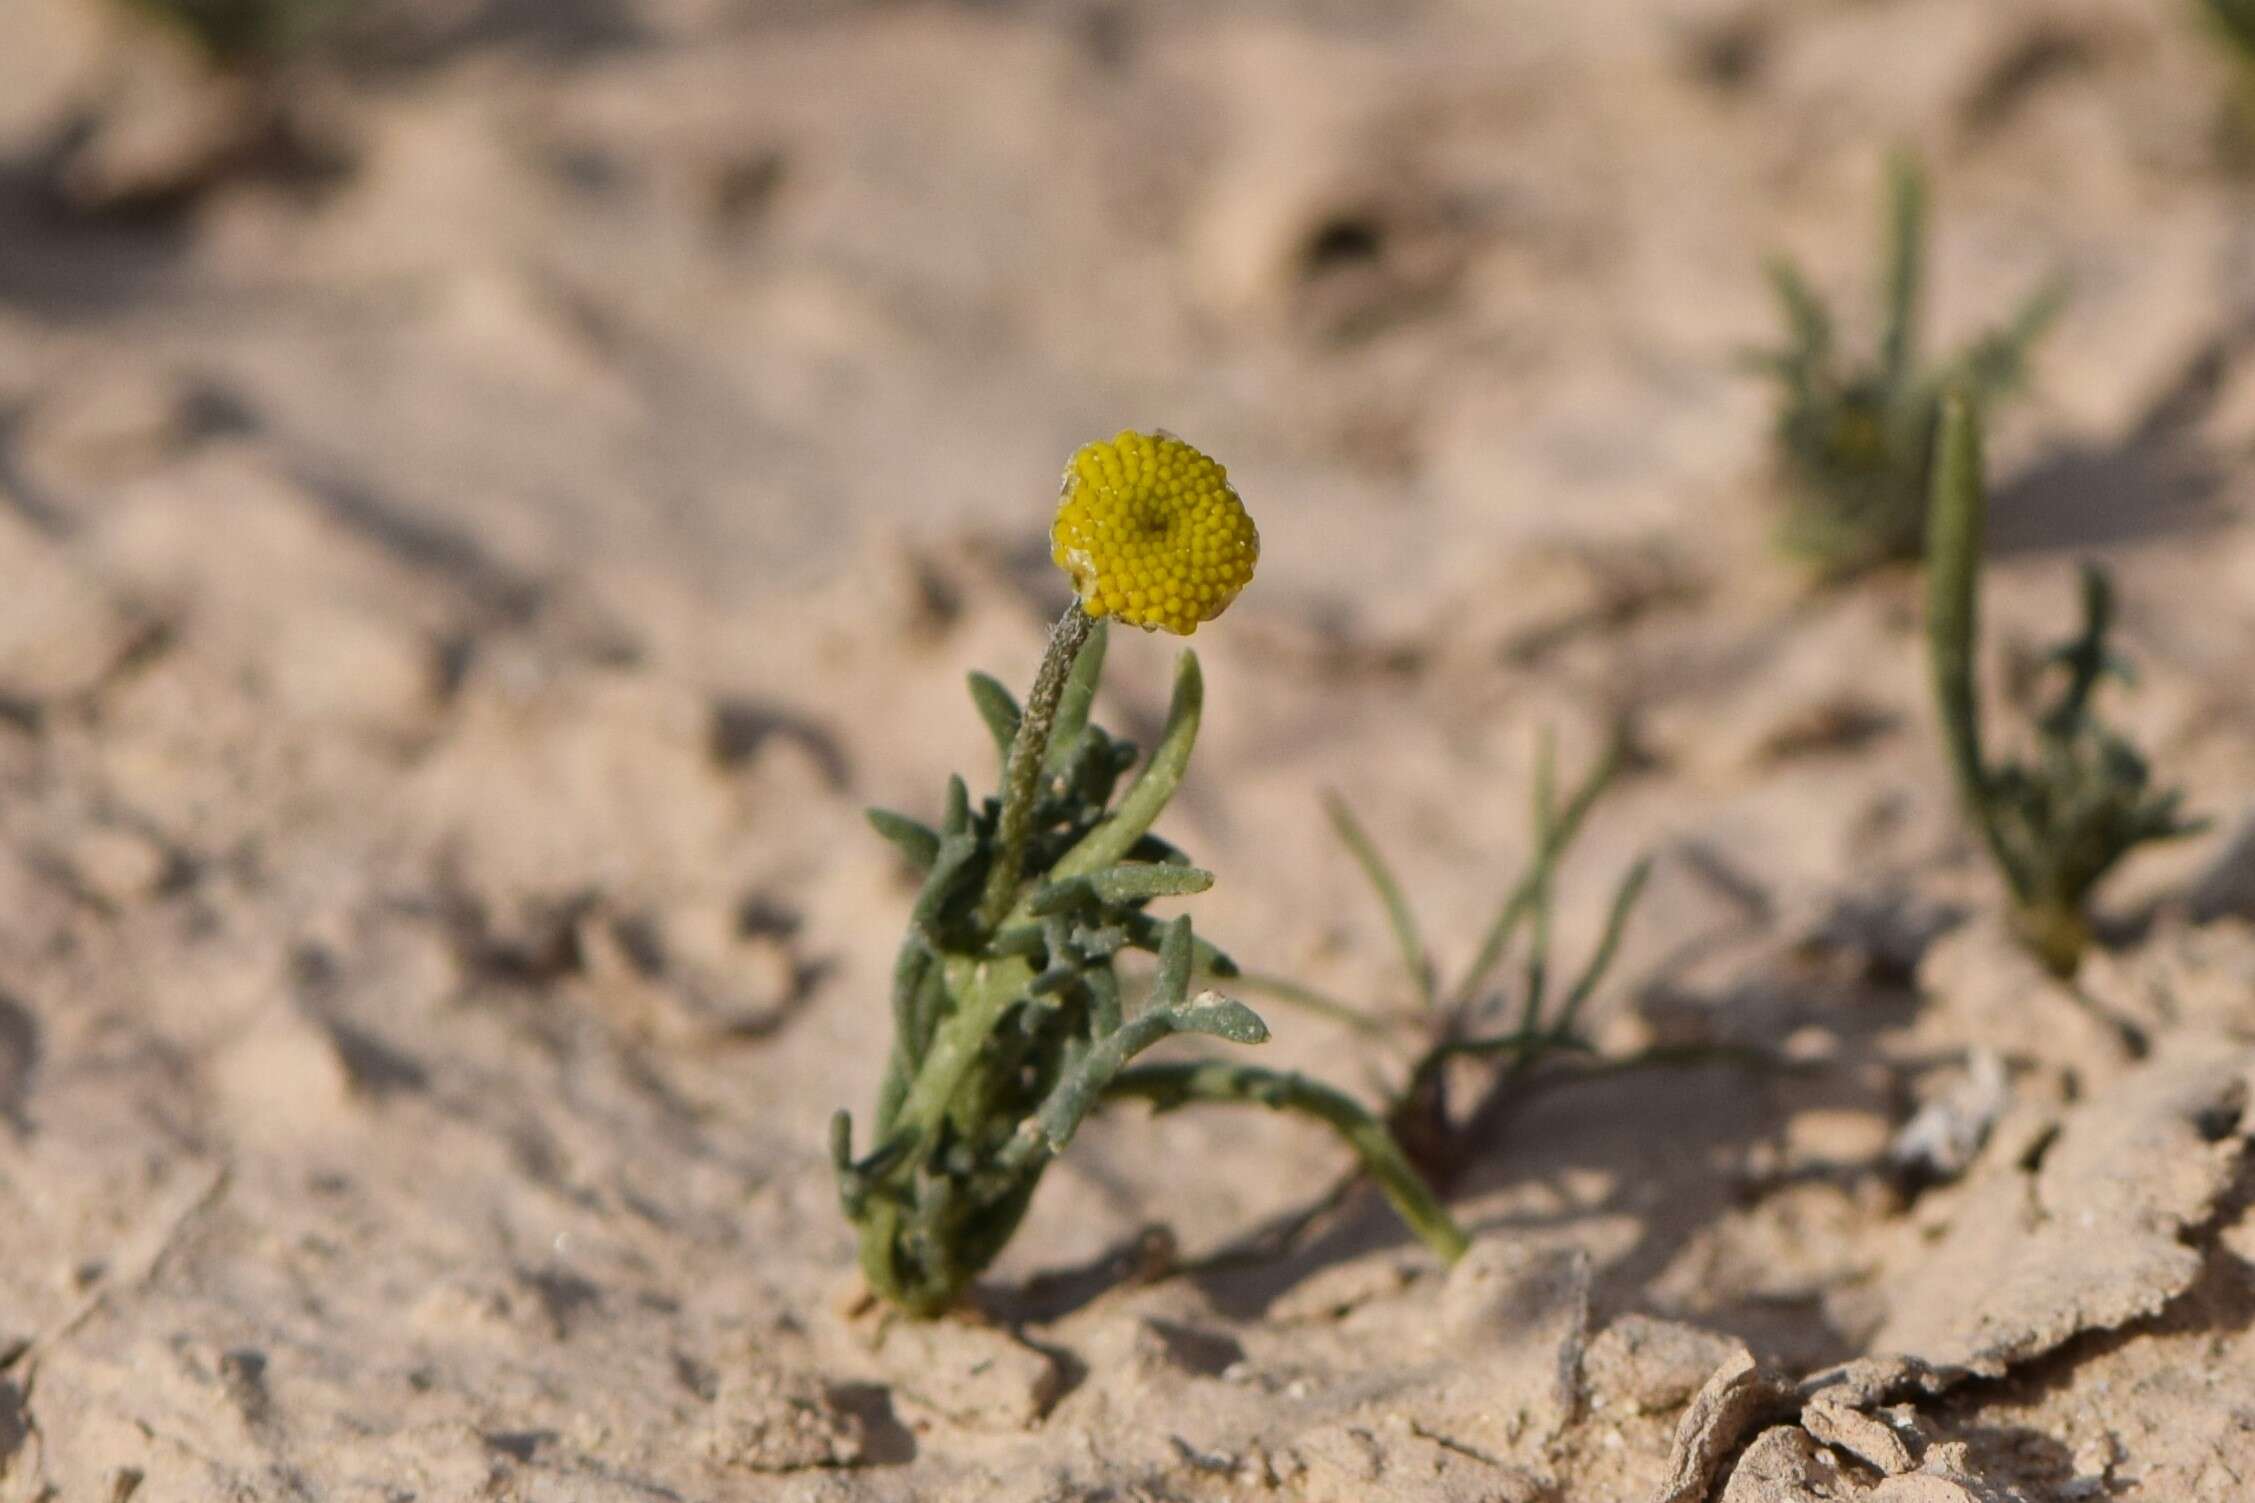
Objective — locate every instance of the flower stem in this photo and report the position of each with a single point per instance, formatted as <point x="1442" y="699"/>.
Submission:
<point x="1021" y="781"/>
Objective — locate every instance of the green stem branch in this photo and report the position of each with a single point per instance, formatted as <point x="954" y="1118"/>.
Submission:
<point x="1219" y="1081"/>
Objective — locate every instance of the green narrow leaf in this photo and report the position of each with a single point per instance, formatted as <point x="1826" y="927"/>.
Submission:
<point x="1906" y="257"/>
<point x="1104" y="1013"/>
<point x="918" y="842"/>
<point x="1408" y="943"/>
<point x="1535" y="983"/>
<point x="1173" y="981"/>
<point x="2086" y="657"/>
<point x="1116" y="835"/>
<point x="1119" y="884"/>
<point x="2236" y="21"/>
<point x="1807" y="323"/>
<point x="1153" y="849"/>
<point x="1147" y="933"/>
<point x="1059" y="976"/>
<point x="1019" y="939"/>
<point x="855" y="1179"/>
<point x="1052" y="1127"/>
<point x="911" y="968"/>
<point x="1550" y="848"/>
<point x="998" y="708"/>
<point x="1998" y="362"/>
<point x="892" y="1086"/>
<point x="954" y="859"/>
<point x="1608" y="945"/>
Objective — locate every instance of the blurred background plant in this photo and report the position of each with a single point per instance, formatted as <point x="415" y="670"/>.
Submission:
<point x="200" y="93"/>
<point x="2232" y="22"/>
<point x="1853" y="438"/>
<point x="1502" y="1040"/>
<point x="2058" y="824"/>
<point x="2235" y="21"/>
<point x="245" y="34"/>
<point x="1476" y="1019"/>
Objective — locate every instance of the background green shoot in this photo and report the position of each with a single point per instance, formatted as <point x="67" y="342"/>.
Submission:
<point x="2059" y="822"/>
<point x="1854" y="437"/>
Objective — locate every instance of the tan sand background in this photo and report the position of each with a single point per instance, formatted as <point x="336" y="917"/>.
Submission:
<point x="474" y="533"/>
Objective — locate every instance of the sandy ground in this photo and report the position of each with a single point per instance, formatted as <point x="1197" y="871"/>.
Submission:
<point x="469" y="549"/>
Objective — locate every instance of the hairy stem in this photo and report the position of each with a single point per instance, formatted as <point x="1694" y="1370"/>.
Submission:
<point x="1021" y="783"/>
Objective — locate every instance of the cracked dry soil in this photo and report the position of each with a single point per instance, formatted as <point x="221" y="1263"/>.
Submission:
<point x="463" y="567"/>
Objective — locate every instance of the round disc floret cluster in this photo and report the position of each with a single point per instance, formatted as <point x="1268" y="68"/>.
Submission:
<point x="1152" y="532"/>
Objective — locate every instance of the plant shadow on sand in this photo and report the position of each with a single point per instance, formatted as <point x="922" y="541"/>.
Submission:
<point x="1642" y="1170"/>
<point x="2156" y="482"/>
<point x="73" y="268"/>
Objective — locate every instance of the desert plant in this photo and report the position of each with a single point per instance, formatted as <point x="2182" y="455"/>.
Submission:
<point x="1476" y="1018"/>
<point x="1853" y="438"/>
<point x="1008" y="1020"/>
<point x="2056" y="825"/>
<point x="2232" y="22"/>
<point x="240" y="33"/>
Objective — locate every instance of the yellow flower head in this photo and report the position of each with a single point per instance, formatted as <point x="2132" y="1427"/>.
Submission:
<point x="1152" y="532"/>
